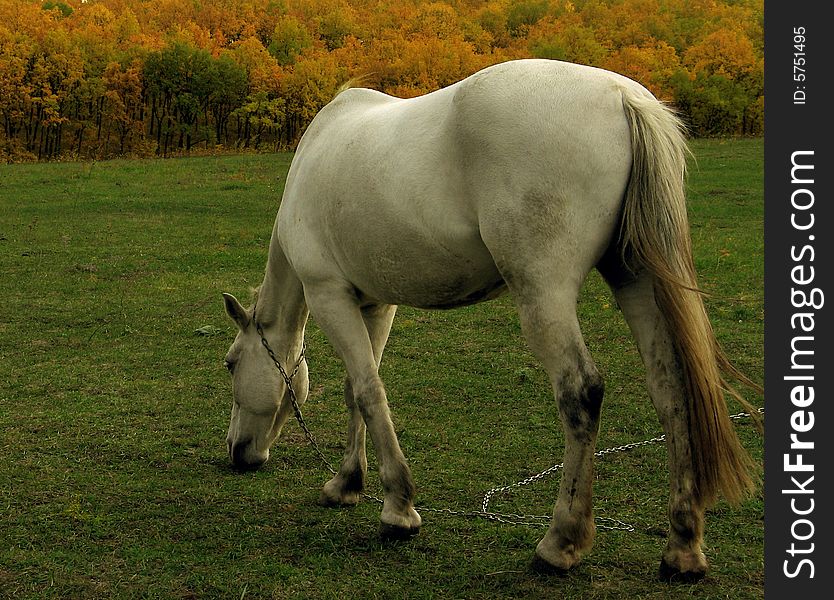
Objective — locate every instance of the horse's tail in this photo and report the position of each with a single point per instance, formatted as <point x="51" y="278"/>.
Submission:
<point x="655" y="236"/>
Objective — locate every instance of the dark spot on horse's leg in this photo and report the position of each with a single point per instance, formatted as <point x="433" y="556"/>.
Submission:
<point x="572" y="493"/>
<point x="581" y="409"/>
<point x="684" y="523"/>
<point x="355" y="481"/>
<point x="592" y="399"/>
<point x="402" y="484"/>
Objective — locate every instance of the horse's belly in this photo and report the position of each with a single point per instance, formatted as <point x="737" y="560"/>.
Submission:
<point x="423" y="275"/>
<point x="432" y="291"/>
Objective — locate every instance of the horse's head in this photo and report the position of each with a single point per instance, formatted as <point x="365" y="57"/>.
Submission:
<point x="261" y="396"/>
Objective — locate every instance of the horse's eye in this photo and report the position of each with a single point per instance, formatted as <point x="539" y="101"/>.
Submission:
<point x="230" y="366"/>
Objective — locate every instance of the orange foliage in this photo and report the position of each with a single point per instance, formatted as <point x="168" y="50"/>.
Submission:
<point x="653" y="64"/>
<point x="723" y="52"/>
<point x="73" y="75"/>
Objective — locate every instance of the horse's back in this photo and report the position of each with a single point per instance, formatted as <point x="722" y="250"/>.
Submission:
<point x="514" y="103"/>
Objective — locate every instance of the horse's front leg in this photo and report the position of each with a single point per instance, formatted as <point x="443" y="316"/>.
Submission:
<point x="337" y="312"/>
<point x="345" y="488"/>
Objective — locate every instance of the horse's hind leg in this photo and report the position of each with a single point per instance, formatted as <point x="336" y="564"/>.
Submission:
<point x="551" y="328"/>
<point x="345" y="488"/>
<point x="544" y="246"/>
<point x="683" y="556"/>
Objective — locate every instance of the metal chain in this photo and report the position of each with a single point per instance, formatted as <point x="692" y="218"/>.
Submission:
<point x="604" y="523"/>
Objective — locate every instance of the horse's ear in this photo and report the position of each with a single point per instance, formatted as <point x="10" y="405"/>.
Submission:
<point x="236" y="311"/>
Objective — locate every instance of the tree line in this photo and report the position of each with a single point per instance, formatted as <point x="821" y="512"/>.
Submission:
<point x="104" y="78"/>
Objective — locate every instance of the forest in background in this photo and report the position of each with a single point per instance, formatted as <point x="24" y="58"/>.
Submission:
<point x="106" y="78"/>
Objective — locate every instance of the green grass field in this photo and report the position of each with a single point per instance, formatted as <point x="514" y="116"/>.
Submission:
<point x="113" y="411"/>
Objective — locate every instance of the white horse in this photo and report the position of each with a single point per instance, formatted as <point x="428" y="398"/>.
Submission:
<point x="524" y="176"/>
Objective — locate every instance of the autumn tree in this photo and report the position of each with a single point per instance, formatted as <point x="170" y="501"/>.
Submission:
<point x="123" y="106"/>
<point x="112" y="77"/>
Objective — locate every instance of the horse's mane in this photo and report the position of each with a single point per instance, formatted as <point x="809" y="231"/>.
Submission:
<point x="363" y="80"/>
<point x="255" y="292"/>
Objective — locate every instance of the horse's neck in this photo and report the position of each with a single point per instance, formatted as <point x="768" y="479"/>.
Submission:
<point x="281" y="308"/>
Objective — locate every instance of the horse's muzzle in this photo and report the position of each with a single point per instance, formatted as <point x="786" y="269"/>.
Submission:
<point x="242" y="457"/>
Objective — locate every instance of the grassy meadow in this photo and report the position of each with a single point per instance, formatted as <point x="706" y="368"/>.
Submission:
<point x="115" y="483"/>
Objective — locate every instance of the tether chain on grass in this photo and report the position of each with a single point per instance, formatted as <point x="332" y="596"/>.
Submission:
<point x="537" y="520"/>
<point x="603" y="523"/>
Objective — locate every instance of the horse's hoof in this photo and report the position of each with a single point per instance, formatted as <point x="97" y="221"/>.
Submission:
<point x="345" y="500"/>
<point x="673" y="574"/>
<point x="394" y="532"/>
<point x="541" y="566"/>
